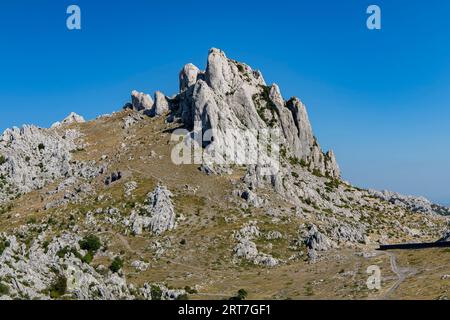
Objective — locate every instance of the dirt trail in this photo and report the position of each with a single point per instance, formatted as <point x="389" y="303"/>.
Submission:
<point x="402" y="274"/>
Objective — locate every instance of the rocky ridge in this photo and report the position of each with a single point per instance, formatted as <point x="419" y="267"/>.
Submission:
<point x="121" y="188"/>
<point x="415" y="204"/>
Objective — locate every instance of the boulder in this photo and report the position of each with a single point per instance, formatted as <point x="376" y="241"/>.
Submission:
<point x="161" y="105"/>
<point x="141" y="101"/>
<point x="158" y="216"/>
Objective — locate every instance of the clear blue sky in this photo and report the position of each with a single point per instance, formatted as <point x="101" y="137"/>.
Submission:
<point x="380" y="99"/>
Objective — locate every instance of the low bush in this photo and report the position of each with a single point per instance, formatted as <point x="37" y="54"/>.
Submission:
<point x="90" y="243"/>
<point x="58" y="288"/>
<point x="116" y="265"/>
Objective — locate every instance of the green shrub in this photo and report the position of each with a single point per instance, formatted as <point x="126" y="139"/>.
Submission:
<point x="41" y="146"/>
<point x="32" y="220"/>
<point x="156" y="293"/>
<point x="4" y="289"/>
<point x="333" y="184"/>
<point x="317" y="173"/>
<point x="90" y="243"/>
<point x="116" y="265"/>
<point x="3" y="245"/>
<point x="62" y="252"/>
<point x="241" y="295"/>
<point x="88" y="257"/>
<point x="2" y="160"/>
<point x="59" y="287"/>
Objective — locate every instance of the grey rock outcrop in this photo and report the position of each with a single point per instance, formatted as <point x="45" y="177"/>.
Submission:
<point x="70" y="119"/>
<point x="188" y="76"/>
<point x="159" y="213"/>
<point x="347" y="234"/>
<point x="233" y="103"/>
<point x="316" y="241"/>
<point x="412" y="203"/>
<point x="31" y="272"/>
<point x="161" y="293"/>
<point x="139" y="265"/>
<point x="141" y="101"/>
<point x="251" y="198"/>
<point x="246" y="249"/>
<point x="161" y="105"/>
<point x="144" y="104"/>
<point x="445" y="237"/>
<point x="33" y="157"/>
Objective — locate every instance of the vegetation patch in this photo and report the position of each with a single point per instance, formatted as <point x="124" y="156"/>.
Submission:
<point x="267" y="104"/>
<point x="90" y="243"/>
<point x="3" y="245"/>
<point x="242" y="294"/>
<point x="4" y="289"/>
<point x="116" y="265"/>
<point x="156" y="292"/>
<point x="58" y="288"/>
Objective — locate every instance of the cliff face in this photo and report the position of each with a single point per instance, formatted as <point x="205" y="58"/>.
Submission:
<point x="231" y="96"/>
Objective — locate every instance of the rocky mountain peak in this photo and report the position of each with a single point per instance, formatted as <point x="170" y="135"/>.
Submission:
<point x="70" y="119"/>
<point x="101" y="210"/>
<point x="230" y="95"/>
<point x="188" y="76"/>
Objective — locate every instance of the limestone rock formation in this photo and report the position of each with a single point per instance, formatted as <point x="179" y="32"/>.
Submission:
<point x="246" y="248"/>
<point x="160" y="214"/>
<point x="70" y="119"/>
<point x="415" y="204"/>
<point x="445" y="237"/>
<point x="317" y="241"/>
<point x="161" y="105"/>
<point x="230" y="98"/>
<point x="141" y="101"/>
<point x="32" y="272"/>
<point x="242" y="116"/>
<point x="188" y="76"/>
<point x="33" y="157"/>
<point x="59" y="184"/>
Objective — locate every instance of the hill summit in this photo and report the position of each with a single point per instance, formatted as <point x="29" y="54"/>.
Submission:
<point x="220" y="187"/>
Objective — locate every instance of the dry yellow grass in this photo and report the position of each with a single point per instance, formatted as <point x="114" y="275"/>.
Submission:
<point x="205" y="258"/>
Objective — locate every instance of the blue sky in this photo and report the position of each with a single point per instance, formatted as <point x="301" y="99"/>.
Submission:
<point x="380" y="99"/>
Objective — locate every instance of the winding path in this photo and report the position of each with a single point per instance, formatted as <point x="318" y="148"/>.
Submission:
<point x="402" y="274"/>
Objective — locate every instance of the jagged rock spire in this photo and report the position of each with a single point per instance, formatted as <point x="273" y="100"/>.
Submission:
<point x="161" y="105"/>
<point x="230" y="95"/>
<point x="141" y="101"/>
<point x="188" y="76"/>
<point x="71" y="118"/>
